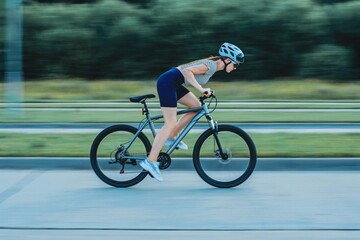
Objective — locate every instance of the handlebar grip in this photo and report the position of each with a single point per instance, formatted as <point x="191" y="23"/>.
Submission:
<point x="202" y="98"/>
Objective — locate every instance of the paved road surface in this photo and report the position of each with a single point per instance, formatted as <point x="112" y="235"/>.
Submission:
<point x="263" y="164"/>
<point x="74" y="204"/>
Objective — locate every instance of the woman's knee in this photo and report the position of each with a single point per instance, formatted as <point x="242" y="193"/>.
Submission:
<point x="170" y="119"/>
<point x="196" y="104"/>
<point x="190" y="100"/>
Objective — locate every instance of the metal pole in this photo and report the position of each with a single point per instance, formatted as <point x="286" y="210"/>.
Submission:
<point x="13" y="58"/>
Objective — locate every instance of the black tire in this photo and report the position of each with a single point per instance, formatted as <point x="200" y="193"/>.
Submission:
<point x="230" y="172"/>
<point x="105" y="160"/>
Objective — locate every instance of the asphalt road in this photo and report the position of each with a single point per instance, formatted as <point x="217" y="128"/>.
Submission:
<point x="75" y="204"/>
<point x="186" y="164"/>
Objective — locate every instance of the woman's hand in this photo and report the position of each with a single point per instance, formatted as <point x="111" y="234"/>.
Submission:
<point x="206" y="92"/>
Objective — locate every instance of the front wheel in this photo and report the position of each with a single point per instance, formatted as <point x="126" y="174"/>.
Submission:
<point x="115" y="153"/>
<point x="229" y="167"/>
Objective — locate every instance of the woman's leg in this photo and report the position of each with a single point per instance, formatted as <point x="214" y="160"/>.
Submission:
<point x="191" y="101"/>
<point x="164" y="133"/>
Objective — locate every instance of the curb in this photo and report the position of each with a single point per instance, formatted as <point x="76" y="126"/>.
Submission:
<point x="263" y="164"/>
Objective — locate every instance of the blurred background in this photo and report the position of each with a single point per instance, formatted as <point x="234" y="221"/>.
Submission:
<point x="56" y="54"/>
<point x="138" y="39"/>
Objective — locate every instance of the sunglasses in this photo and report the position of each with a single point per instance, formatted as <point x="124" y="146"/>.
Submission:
<point x="236" y="65"/>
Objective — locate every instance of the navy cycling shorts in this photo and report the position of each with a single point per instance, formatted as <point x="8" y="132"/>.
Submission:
<point x="170" y="87"/>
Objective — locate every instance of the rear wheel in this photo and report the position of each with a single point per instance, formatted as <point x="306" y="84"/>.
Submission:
<point x="232" y="167"/>
<point x="109" y="158"/>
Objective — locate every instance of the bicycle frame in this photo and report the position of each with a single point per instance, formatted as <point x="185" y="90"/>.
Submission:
<point x="201" y="111"/>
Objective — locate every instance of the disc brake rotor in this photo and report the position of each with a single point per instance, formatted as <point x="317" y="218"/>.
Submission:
<point x="226" y="158"/>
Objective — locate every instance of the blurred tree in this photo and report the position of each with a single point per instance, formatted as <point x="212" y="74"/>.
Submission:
<point x="57" y="41"/>
<point x="142" y="3"/>
<point x="64" y="1"/>
<point x="331" y="1"/>
<point x="271" y="33"/>
<point x="90" y="41"/>
<point x="344" y="27"/>
<point x="328" y="62"/>
<point x="121" y="41"/>
<point x="181" y="33"/>
<point x="118" y="38"/>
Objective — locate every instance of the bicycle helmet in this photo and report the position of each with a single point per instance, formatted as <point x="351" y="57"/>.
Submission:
<point x="233" y="52"/>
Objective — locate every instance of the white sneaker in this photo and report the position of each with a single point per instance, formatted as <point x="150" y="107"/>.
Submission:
<point x="181" y="144"/>
<point x="153" y="168"/>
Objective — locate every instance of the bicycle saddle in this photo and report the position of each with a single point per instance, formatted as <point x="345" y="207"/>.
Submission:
<point x="141" y="98"/>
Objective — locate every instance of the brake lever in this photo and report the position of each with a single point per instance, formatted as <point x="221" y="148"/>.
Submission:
<point x="202" y="98"/>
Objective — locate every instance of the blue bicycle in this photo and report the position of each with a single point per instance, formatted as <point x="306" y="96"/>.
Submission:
<point x="224" y="155"/>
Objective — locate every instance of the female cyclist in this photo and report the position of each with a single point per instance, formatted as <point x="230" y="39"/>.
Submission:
<point x="172" y="91"/>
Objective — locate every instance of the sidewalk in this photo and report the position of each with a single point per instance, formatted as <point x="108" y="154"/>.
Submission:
<point x="263" y="164"/>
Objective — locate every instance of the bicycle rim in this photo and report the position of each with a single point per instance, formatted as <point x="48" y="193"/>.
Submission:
<point x="109" y="156"/>
<point x="228" y="170"/>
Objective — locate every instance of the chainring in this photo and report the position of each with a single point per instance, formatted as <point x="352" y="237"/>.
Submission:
<point x="164" y="160"/>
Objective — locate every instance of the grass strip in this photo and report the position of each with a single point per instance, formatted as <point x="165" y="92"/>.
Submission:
<point x="299" y="89"/>
<point x="268" y="145"/>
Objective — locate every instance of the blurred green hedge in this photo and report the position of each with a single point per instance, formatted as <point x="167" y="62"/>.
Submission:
<point x="113" y="39"/>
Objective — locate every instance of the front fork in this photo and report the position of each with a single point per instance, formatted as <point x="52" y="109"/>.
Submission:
<point x="214" y="126"/>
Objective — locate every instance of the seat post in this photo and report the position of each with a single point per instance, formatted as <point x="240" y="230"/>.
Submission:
<point x="146" y="109"/>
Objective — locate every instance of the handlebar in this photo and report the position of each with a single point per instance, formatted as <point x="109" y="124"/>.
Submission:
<point x="212" y="92"/>
<point x="202" y="98"/>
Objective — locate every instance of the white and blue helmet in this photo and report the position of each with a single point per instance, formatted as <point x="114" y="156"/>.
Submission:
<point x="233" y="52"/>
